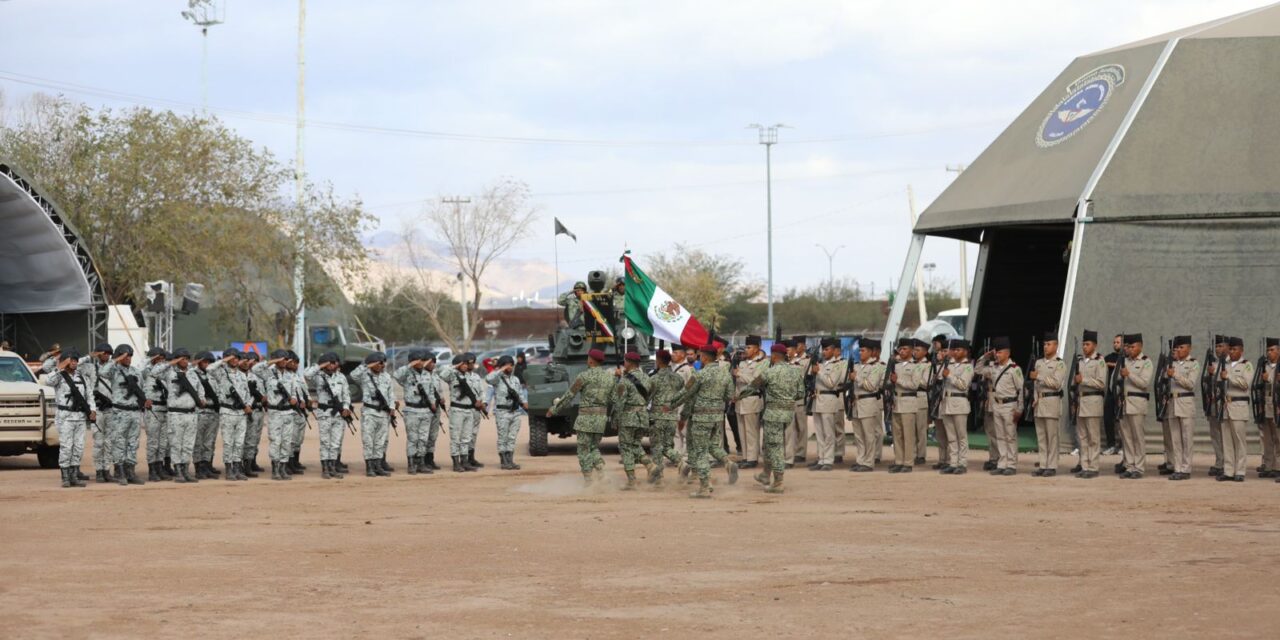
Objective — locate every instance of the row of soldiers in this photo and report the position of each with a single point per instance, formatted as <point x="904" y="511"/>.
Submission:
<point x="184" y="402"/>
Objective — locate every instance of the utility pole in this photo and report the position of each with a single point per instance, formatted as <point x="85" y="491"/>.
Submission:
<point x="831" y="280"/>
<point x="911" y="207"/>
<point x="768" y="138"/>
<point x="964" y="250"/>
<point x="299" y="261"/>
<point x="204" y="14"/>
<point x="457" y="203"/>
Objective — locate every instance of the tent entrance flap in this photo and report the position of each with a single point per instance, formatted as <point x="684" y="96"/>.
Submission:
<point x="1023" y="285"/>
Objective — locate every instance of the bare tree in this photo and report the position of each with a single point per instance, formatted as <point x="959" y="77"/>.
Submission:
<point x="427" y="293"/>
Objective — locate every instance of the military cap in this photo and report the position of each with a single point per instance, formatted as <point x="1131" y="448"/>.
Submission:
<point x="249" y="355"/>
<point x="958" y="343"/>
<point x="778" y="347"/>
<point x="1178" y="341"/>
<point x="869" y="343"/>
<point x="69" y="354"/>
<point x="1000" y="343"/>
<point x="458" y="359"/>
<point x="632" y="357"/>
<point x="709" y="349"/>
<point x="180" y="352"/>
<point x="1219" y="339"/>
<point x="231" y="352"/>
<point x="123" y="350"/>
<point x="1133" y="338"/>
<point x="155" y="351"/>
<point x="1051" y="336"/>
<point x="799" y="339"/>
<point x="941" y="339"/>
<point x="204" y="355"/>
<point x="579" y="285"/>
<point x="428" y="354"/>
<point x="1273" y="342"/>
<point x="830" y="342"/>
<point x="506" y="360"/>
<point x="596" y="354"/>
<point x="293" y="355"/>
<point x="677" y="347"/>
<point x="328" y="357"/>
<point x="414" y="354"/>
<point x="1090" y="336"/>
<point x="663" y="355"/>
<point x="469" y="357"/>
<point x="376" y="356"/>
<point x="1235" y="342"/>
<point x="103" y="347"/>
<point x="753" y="340"/>
<point x="279" y="354"/>
<point x="619" y="280"/>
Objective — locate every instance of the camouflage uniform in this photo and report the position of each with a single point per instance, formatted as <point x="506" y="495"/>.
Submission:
<point x="462" y="410"/>
<point x="253" y="432"/>
<point x="70" y="422"/>
<point x="279" y="412"/>
<point x="333" y="395"/>
<point x="375" y="420"/>
<point x="685" y="371"/>
<point x="629" y="400"/>
<point x="705" y="397"/>
<point x="233" y="391"/>
<point x="299" y="418"/>
<point x="783" y="384"/>
<point x="480" y="389"/>
<point x="126" y="415"/>
<point x="665" y="386"/>
<point x="156" y="420"/>
<point x="506" y="409"/>
<point x="206" y="421"/>
<point x="595" y="385"/>
<point x="182" y="413"/>
<point x="88" y="369"/>
<point x="420" y="401"/>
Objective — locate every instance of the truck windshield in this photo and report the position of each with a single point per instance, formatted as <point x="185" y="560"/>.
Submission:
<point x="15" y="370"/>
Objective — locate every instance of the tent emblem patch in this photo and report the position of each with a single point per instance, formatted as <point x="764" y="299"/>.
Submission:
<point x="1086" y="96"/>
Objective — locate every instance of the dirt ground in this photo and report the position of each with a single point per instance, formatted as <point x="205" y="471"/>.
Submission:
<point x="531" y="554"/>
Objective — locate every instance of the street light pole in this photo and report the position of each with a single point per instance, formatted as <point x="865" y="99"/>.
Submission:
<point x="204" y="14"/>
<point x="831" y="280"/>
<point x="768" y="138"/>
<point x="299" y="261"/>
<point x="964" y="250"/>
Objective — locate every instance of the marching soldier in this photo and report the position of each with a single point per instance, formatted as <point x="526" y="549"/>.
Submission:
<point x="955" y="406"/>
<point x="1049" y="376"/>
<point x="1006" y="405"/>
<point x="867" y="378"/>
<point x="595" y="389"/>
<point x="1184" y="376"/>
<point x="89" y="368"/>
<point x="379" y="412"/>
<point x="705" y="397"/>
<point x="128" y="401"/>
<point x="420" y="405"/>
<point x="924" y="369"/>
<point x="749" y="404"/>
<point x="682" y="366"/>
<point x="1238" y="375"/>
<point x="630" y="396"/>
<point x="665" y="386"/>
<point x="828" y="408"/>
<point x="155" y="420"/>
<point x="797" y="436"/>
<point x="941" y="355"/>
<point x="1138" y="374"/>
<point x="75" y="411"/>
<point x="1215" y="425"/>
<point x="510" y="400"/>
<point x="1270" y="438"/>
<point x="206" y="422"/>
<point x="253" y="432"/>
<point x="1092" y="378"/>
<point x="333" y="398"/>
<point x="232" y="390"/>
<point x="782" y="384"/>
<point x="282" y="401"/>
<point x="186" y="396"/>
<point x="906" y="390"/>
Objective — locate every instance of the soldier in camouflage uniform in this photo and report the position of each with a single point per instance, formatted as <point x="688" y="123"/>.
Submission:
<point x="705" y="397"/>
<point x="464" y="407"/>
<point x="234" y="410"/>
<point x="186" y="396"/>
<point x="630" y="397"/>
<point x="420" y="405"/>
<point x="334" y="402"/>
<point x="480" y="390"/>
<point x="206" y="422"/>
<point x="156" y="420"/>
<point x="682" y="365"/>
<point x="595" y="386"/>
<point x="128" y="401"/>
<point x="75" y="411"/>
<point x="379" y="411"/>
<point x="665" y="386"/>
<point x="299" y="418"/>
<point x="281" y="400"/>
<point x="253" y="431"/>
<point x="509" y="401"/>
<point x="782" y="384"/>
<point x="88" y="368"/>
<point x="572" y="303"/>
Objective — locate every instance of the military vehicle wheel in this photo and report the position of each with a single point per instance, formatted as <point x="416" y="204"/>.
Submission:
<point x="537" y="437"/>
<point x="48" y="456"/>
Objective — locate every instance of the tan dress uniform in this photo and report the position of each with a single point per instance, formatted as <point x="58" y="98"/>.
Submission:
<point x="955" y="407"/>
<point x="922" y="368"/>
<point x="1006" y="401"/>
<point x="939" y="426"/>
<point x="1137" y="390"/>
<point x="1239" y="413"/>
<point x="1270" y="436"/>
<point x="1093" y="405"/>
<point x="986" y="368"/>
<point x="868" y="409"/>
<point x="749" y="406"/>
<point x="797" y="434"/>
<point x="1215" y="425"/>
<point x="1051" y="375"/>
<point x="684" y="370"/>
<point x="828" y="408"/>
<point x="1182" y="413"/>
<point x="906" y="407"/>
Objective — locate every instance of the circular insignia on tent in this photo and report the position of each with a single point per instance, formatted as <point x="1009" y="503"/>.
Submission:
<point x="668" y="311"/>
<point x="1086" y="96"/>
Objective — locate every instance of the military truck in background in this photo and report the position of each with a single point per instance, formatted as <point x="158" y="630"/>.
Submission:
<point x="569" y="347"/>
<point x="351" y="345"/>
<point x="26" y="413"/>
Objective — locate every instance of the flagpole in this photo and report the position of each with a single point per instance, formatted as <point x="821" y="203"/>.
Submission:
<point x="555" y="241"/>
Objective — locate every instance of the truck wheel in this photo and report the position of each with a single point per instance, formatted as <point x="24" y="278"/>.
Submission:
<point x="537" y="437"/>
<point x="48" y="456"/>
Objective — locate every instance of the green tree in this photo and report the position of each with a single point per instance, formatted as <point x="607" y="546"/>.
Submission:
<point x="707" y="284"/>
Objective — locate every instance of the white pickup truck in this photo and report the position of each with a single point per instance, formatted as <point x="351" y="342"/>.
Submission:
<point x="26" y="413"/>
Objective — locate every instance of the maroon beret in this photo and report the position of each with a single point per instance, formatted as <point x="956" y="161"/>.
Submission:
<point x="596" y="354"/>
<point x="631" y="357"/>
<point x="778" y="347"/>
<point x="710" y="349"/>
<point x="663" y="355"/>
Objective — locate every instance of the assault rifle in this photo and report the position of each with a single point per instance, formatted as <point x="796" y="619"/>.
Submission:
<point x="1073" y="388"/>
<point x="1220" y="390"/>
<point x="78" y="400"/>
<point x="1164" y="384"/>
<point x="1208" y="390"/>
<point x="1258" y="388"/>
<point x="1116" y="388"/>
<point x="888" y="387"/>
<point x="1028" y="399"/>
<point x="470" y="394"/>
<point x="937" y="391"/>
<point x="811" y="380"/>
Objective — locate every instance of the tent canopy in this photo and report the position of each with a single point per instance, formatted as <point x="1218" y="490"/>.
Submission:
<point x="1181" y="125"/>
<point x="43" y="267"/>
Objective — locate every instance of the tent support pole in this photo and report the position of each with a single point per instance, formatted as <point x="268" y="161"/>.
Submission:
<point x="904" y="288"/>
<point x="975" y="295"/>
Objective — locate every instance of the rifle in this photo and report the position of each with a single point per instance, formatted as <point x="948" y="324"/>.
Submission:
<point x="335" y="407"/>
<point x="1207" y="387"/>
<point x="1115" y="388"/>
<point x="77" y="399"/>
<point x="937" y="389"/>
<point x="888" y="387"/>
<point x="382" y="400"/>
<point x="135" y="390"/>
<point x="811" y="380"/>
<point x="1258" y="389"/>
<point x="470" y="394"/>
<point x="1164" y="384"/>
<point x="304" y="409"/>
<point x="1028" y="399"/>
<point x="1073" y="388"/>
<point x="1220" y="389"/>
<point x="979" y="390"/>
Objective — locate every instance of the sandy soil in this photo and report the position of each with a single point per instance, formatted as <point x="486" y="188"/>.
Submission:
<point x="532" y="554"/>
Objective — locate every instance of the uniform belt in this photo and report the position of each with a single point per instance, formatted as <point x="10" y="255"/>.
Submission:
<point x="1189" y="394"/>
<point x="708" y="411"/>
<point x="829" y="393"/>
<point x="513" y="407"/>
<point x="120" y="408"/>
<point x="1239" y="398"/>
<point x="62" y="408"/>
<point x="1051" y="394"/>
<point x="749" y="394"/>
<point x="178" y="410"/>
<point x="416" y="405"/>
<point x="907" y="394"/>
<point x="1135" y="394"/>
<point x="156" y="403"/>
<point x="956" y="395"/>
<point x="592" y="411"/>
<point x="1005" y="400"/>
<point x="280" y="407"/>
<point x="1092" y="393"/>
<point x="864" y="396"/>
<point x="376" y="407"/>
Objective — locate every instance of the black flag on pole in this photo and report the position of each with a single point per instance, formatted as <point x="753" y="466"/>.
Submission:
<point x="560" y="228"/>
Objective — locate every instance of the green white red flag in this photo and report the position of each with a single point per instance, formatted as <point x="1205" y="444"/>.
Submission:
<point x="651" y="310"/>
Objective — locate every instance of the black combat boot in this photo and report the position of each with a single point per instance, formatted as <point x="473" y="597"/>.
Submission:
<point x="382" y="464"/>
<point x="199" y="470"/>
<point x="80" y="476"/>
<point x="293" y="466"/>
<point x="120" y="477"/>
<point x="423" y="467"/>
<point x="153" y="474"/>
<point x="297" y="463"/>
<point x="188" y="473"/>
<point x="368" y="469"/>
<point x="100" y="476"/>
<point x="275" y="470"/>
<point x="240" y="473"/>
<point x="502" y="461"/>
<point x="380" y="467"/>
<point x="457" y="464"/>
<point x="131" y="473"/>
<point x="167" y="471"/>
<point x="471" y="457"/>
<point x="431" y="461"/>
<point x="338" y="464"/>
<point x="213" y="471"/>
<point x="253" y="464"/>
<point x="231" y="472"/>
<point x="466" y="463"/>
<point x="324" y="470"/>
<point x="413" y="466"/>
<point x="179" y="475"/>
<point x="246" y="468"/>
<point x="66" y="477"/>
<point x="73" y="474"/>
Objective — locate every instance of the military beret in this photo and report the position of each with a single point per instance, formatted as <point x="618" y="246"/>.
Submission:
<point x="1090" y="336"/>
<point x="469" y="357"/>
<point x="663" y="355"/>
<point x="375" y="357"/>
<point x="249" y="355"/>
<point x="279" y="354"/>
<point x="778" y="347"/>
<point x="1000" y="343"/>
<point x="123" y="350"/>
<point x="428" y="354"/>
<point x="69" y="354"/>
<point x="1273" y="342"/>
<point x="1235" y="342"/>
<point x="619" y="280"/>
<point x="1178" y="341"/>
<point x="180" y="352"/>
<point x="677" y="347"/>
<point x="506" y="360"/>
<point x="328" y="357"/>
<point x="1051" y="336"/>
<point x="103" y="347"/>
<point x="941" y="339"/>
<point x="231" y="352"/>
<point x="155" y="351"/>
<point x="1219" y="339"/>
<point x="830" y="342"/>
<point x="458" y="359"/>
<point x="632" y="357"/>
<point x="709" y="349"/>
<point x="1133" y="338"/>
<point x="293" y="355"/>
<point x="869" y="343"/>
<point x="958" y="343"/>
<point x="753" y="340"/>
<point x="596" y="354"/>
<point x="204" y="355"/>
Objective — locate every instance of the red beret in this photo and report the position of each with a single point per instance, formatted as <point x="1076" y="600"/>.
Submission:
<point x="778" y="347"/>
<point x="631" y="357"/>
<point x="663" y="355"/>
<point x="596" y="354"/>
<point x="710" y="349"/>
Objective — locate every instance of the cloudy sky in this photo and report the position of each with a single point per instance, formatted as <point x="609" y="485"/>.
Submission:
<point x="627" y="119"/>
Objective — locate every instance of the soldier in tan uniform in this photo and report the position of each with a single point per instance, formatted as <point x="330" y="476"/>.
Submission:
<point x="1184" y="376"/>
<point x="1215" y="425"/>
<point x="1270" y="437"/>
<point x="750" y="402"/>
<point x="867" y="387"/>
<point x="941" y="355"/>
<point x="1138" y="373"/>
<point x="1092" y="378"/>
<point x="1238" y="375"/>
<point x="682" y="367"/>
<point x="828" y="409"/>
<point x="797" y="435"/>
<point x="955" y="405"/>
<point x="920" y="357"/>
<point x="985" y="369"/>
<point x="1049" y="376"/>
<point x="906" y="400"/>
<point x="1005" y="398"/>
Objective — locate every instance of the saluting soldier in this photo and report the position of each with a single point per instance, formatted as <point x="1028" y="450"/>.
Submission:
<point x="88" y="368"/>
<point x="595" y="389"/>
<point x="1049" y="376"/>
<point x="705" y="397"/>
<point x="420" y="405"/>
<point x="1270" y="437"/>
<point x="155" y="420"/>
<point x="1092" y="378"/>
<point x="906" y="400"/>
<point x="985" y="369"/>
<point x="749" y="404"/>
<point x="480" y="389"/>
<point x="955" y="405"/>
<point x="464" y="406"/>
<point x="1184" y="375"/>
<point x="1238" y="375"/>
<point x="665" y="387"/>
<point x="282" y="399"/>
<point x="782" y="384"/>
<point x="797" y="437"/>
<point x="233" y="393"/>
<point x="206" y="421"/>
<point x="333" y="396"/>
<point x="186" y="396"/>
<point x="128" y="401"/>
<point x="379" y="410"/>
<point x="258" y="414"/>
<point x="76" y="410"/>
<point x="1005" y="399"/>
<point x="509" y="400"/>
<point x="572" y="304"/>
<point x="682" y="366"/>
<point x="867" y="387"/>
<point x="828" y="407"/>
<point x="294" y="379"/>
<point x="630" y="398"/>
<point x="1138" y="373"/>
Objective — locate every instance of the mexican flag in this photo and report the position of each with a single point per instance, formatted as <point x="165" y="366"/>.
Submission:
<point x="652" y="311"/>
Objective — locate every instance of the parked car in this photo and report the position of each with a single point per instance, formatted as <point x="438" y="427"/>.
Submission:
<point x="26" y="413"/>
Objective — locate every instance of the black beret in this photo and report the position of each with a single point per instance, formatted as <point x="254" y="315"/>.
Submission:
<point x="677" y="347"/>
<point x="1051" y="336"/>
<point x="869" y="343"/>
<point x="156" y="351"/>
<point x="279" y="354"/>
<point x="469" y="357"/>
<point x="231" y="351"/>
<point x="1090" y="336"/>
<point x="753" y="340"/>
<point x="1273" y="342"/>
<point x="1235" y="342"/>
<point x="1133" y="338"/>
<point x="1219" y="338"/>
<point x="103" y="347"/>
<point x="830" y="342"/>
<point x="941" y="338"/>
<point x="69" y="354"/>
<point x="204" y="355"/>
<point x="375" y="357"/>
<point x="1000" y="343"/>
<point x="249" y="355"/>
<point x="1178" y="341"/>
<point x="414" y="354"/>
<point x="506" y="360"/>
<point x="619" y="280"/>
<point x="799" y="339"/>
<point x="328" y="357"/>
<point x="958" y="343"/>
<point x="293" y="355"/>
<point x="180" y="352"/>
<point x="458" y="359"/>
<point x="123" y="349"/>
